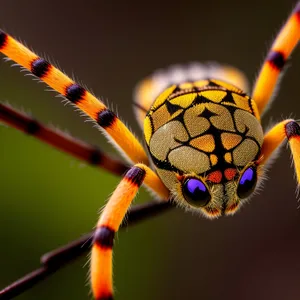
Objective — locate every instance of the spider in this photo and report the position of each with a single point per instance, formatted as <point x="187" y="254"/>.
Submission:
<point x="206" y="147"/>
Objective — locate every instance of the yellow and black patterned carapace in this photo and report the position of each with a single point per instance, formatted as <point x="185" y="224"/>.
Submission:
<point x="202" y="136"/>
<point x="202" y="130"/>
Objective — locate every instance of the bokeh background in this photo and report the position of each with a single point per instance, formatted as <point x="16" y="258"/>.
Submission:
<point x="48" y="198"/>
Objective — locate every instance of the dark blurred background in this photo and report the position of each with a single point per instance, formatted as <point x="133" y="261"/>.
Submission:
<point x="48" y="198"/>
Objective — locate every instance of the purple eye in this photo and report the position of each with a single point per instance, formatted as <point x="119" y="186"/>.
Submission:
<point x="195" y="192"/>
<point x="247" y="183"/>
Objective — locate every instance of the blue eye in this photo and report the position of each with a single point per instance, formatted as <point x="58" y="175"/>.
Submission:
<point x="247" y="183"/>
<point x="195" y="192"/>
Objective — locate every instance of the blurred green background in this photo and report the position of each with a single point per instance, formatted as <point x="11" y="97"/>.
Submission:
<point x="49" y="198"/>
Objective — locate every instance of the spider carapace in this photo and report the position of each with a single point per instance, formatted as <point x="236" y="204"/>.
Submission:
<point x="204" y="137"/>
<point x="203" y="134"/>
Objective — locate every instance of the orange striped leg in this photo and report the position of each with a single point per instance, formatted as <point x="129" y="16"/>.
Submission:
<point x="61" y="141"/>
<point x="109" y="223"/>
<point x="281" y="49"/>
<point x="286" y="129"/>
<point x="77" y="95"/>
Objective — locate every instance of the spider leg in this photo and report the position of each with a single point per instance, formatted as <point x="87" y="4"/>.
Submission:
<point x="58" y="258"/>
<point x="60" y="140"/>
<point x="109" y="223"/>
<point x="111" y="125"/>
<point x="289" y="129"/>
<point x="285" y="42"/>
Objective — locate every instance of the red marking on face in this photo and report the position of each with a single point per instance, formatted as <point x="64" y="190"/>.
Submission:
<point x="179" y="177"/>
<point x="212" y="211"/>
<point x="215" y="177"/>
<point x="229" y="173"/>
<point x="232" y="207"/>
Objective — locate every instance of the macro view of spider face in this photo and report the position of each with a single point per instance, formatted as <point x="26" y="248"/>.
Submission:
<point x="204" y="149"/>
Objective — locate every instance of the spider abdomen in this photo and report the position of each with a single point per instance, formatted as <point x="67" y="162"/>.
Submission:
<point x="206" y="128"/>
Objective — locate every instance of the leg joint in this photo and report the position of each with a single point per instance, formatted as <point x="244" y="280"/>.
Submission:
<point x="104" y="237"/>
<point x="40" y="67"/>
<point x="136" y="175"/>
<point x="95" y="157"/>
<point x="297" y="11"/>
<point x="106" y="118"/>
<point x="276" y="59"/>
<point x="3" y="39"/>
<point x="105" y="298"/>
<point x="292" y="129"/>
<point x="33" y="127"/>
<point x="74" y="93"/>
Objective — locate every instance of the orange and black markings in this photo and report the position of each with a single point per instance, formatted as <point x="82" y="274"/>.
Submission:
<point x="40" y="67"/>
<point x="292" y="130"/>
<point x="276" y="59"/>
<point x="77" y="95"/>
<point x="108" y="224"/>
<point x="284" y="44"/>
<point x="106" y="118"/>
<point x="3" y="39"/>
<point x="203" y="133"/>
<point x="104" y="237"/>
<point x="135" y="176"/>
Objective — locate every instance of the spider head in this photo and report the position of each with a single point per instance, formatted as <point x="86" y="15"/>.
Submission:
<point x="218" y="193"/>
<point x="206" y="147"/>
<point x="215" y="193"/>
